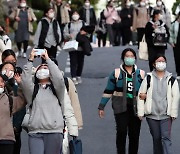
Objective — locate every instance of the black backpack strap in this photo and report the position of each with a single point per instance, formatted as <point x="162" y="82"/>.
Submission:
<point x="148" y="78"/>
<point x="172" y="79"/>
<point x="69" y="26"/>
<point x="66" y="82"/>
<point x="35" y="91"/>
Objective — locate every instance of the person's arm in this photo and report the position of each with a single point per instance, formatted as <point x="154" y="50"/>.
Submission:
<point x="19" y="101"/>
<point x="66" y="32"/>
<point x="167" y="32"/>
<point x="32" y="15"/>
<point x="73" y="95"/>
<point x="109" y="90"/>
<point x="175" y="99"/>
<point x="140" y="98"/>
<point x="59" y="33"/>
<point x="37" y="34"/>
<point x="134" y="24"/>
<point x="172" y="35"/>
<point x="27" y="84"/>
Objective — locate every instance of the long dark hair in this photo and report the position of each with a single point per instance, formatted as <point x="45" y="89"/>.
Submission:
<point x="125" y="51"/>
<point x="7" y="53"/>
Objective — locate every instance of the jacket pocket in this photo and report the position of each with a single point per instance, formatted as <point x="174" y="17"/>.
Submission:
<point x="118" y="104"/>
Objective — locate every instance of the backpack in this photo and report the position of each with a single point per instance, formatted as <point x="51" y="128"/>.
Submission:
<point x="172" y="79"/>
<point x="159" y="35"/>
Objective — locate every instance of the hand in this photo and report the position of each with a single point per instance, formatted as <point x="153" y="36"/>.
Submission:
<point x="131" y="28"/>
<point x="82" y="32"/>
<point x="141" y="118"/>
<point x="101" y="113"/>
<point x="17" y="19"/>
<point x="173" y="45"/>
<point x="32" y="55"/>
<point x="17" y="77"/>
<point x="142" y="96"/>
<point x="45" y="55"/>
<point x="30" y="19"/>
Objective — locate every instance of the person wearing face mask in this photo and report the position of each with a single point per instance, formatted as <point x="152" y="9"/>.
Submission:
<point x="45" y="130"/>
<point x="9" y="56"/>
<point x="5" y="42"/>
<point x="174" y="40"/>
<point x="126" y="16"/>
<point x="62" y="13"/>
<point x="158" y="101"/>
<point x="48" y="33"/>
<point x="112" y="18"/>
<point x="123" y="86"/>
<point x="71" y="32"/>
<point x="23" y="16"/>
<point x="87" y="14"/>
<point x="8" y="106"/>
<point x="166" y="15"/>
<point x="157" y="36"/>
<point x="140" y="19"/>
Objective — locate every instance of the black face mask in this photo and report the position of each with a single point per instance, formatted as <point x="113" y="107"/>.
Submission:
<point x="1" y="32"/>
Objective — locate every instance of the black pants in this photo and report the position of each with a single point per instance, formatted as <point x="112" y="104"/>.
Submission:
<point x="25" y="45"/>
<point x="126" y="35"/>
<point x="152" y="52"/>
<point x="127" y="123"/>
<point x="6" y="148"/>
<point x="76" y="63"/>
<point x="140" y="33"/>
<point x="17" y="145"/>
<point x="101" y="37"/>
<point x="51" y="53"/>
<point x="176" y="50"/>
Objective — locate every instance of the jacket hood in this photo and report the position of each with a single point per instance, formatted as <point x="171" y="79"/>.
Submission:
<point x="121" y="67"/>
<point x="166" y="75"/>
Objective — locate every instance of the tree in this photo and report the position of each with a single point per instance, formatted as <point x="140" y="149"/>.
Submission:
<point x="175" y="6"/>
<point x="2" y="20"/>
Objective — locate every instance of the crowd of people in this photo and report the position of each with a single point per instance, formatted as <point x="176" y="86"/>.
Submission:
<point x="134" y="94"/>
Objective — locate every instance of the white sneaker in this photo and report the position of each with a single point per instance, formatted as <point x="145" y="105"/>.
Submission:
<point x="130" y="43"/>
<point x="17" y="54"/>
<point x="178" y="77"/>
<point x="75" y="81"/>
<point x="79" y="80"/>
<point x="24" y="55"/>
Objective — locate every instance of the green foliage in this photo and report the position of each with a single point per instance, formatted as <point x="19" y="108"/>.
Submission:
<point x="175" y="6"/>
<point x="2" y="20"/>
<point x="77" y="4"/>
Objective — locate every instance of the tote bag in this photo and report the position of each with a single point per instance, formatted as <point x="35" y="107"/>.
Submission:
<point x="75" y="146"/>
<point x="143" y="49"/>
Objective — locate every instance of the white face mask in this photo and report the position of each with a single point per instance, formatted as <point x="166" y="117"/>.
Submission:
<point x="42" y="74"/>
<point x="75" y="17"/>
<point x="142" y="4"/>
<point x="23" y="4"/>
<point x="159" y="3"/>
<point x="51" y="15"/>
<point x="87" y="4"/>
<point x="1" y="90"/>
<point x="160" y="66"/>
<point x="10" y="74"/>
<point x="128" y="4"/>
